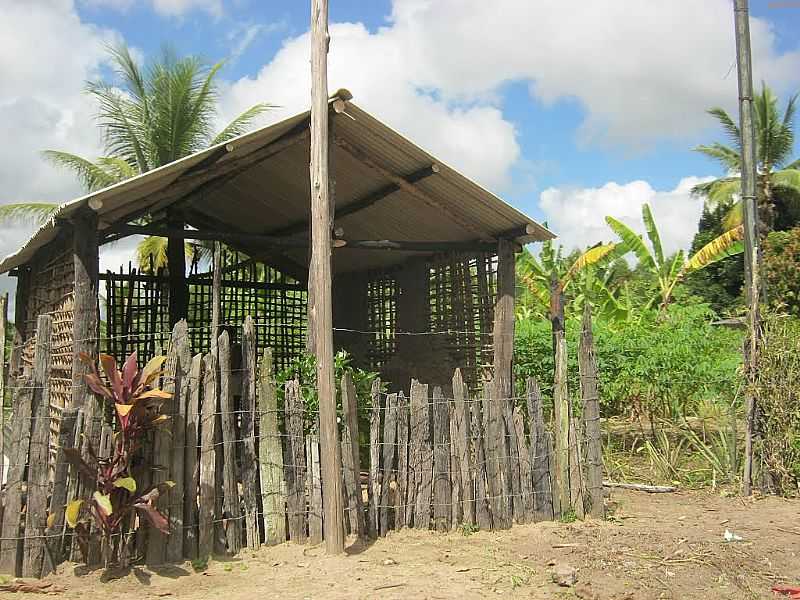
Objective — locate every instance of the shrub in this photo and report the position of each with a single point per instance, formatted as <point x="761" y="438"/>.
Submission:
<point x="781" y="265"/>
<point x="137" y="406"/>
<point x="777" y="389"/>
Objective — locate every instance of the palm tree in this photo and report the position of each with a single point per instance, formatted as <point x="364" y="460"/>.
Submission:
<point x="669" y="271"/>
<point x="153" y="116"/>
<point x="778" y="176"/>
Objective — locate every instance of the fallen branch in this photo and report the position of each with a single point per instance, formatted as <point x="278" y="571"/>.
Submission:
<point x="641" y="487"/>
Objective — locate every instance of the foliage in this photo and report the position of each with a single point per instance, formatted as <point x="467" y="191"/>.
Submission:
<point x="137" y="406"/>
<point x="778" y="182"/>
<point x="669" y="271"/>
<point x="658" y="365"/>
<point x="777" y="390"/>
<point x="781" y="254"/>
<point x="304" y="368"/>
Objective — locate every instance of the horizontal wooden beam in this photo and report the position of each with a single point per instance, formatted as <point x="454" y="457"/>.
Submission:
<point x="362" y="203"/>
<point x="287" y="242"/>
<point x="198" y="279"/>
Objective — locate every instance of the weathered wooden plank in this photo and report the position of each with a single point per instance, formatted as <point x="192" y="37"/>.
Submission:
<point x="512" y="487"/>
<point x="561" y="404"/>
<point x="3" y="326"/>
<point x="191" y="464"/>
<point x="39" y="454"/>
<point x="295" y="463"/>
<point x="230" y="480"/>
<point x="539" y="449"/>
<point x="456" y="493"/>
<point x="85" y="256"/>
<point x="421" y="429"/>
<point x="525" y="477"/>
<point x="503" y="334"/>
<point x="483" y="515"/>
<point x="495" y="459"/>
<point x="180" y="387"/>
<point x="373" y="484"/>
<point x="208" y="473"/>
<point x="248" y="432"/>
<point x="73" y="487"/>
<point x="576" y="492"/>
<point x="162" y="443"/>
<point x="591" y="418"/>
<point x="270" y="452"/>
<point x="389" y="448"/>
<point x="441" y="461"/>
<point x="351" y="459"/>
<point x="314" y="486"/>
<point x="402" y="506"/>
<point x="58" y="499"/>
<point x="13" y="517"/>
<point x="461" y="443"/>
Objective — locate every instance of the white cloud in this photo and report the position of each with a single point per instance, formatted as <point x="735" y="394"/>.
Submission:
<point x="167" y="8"/>
<point x="577" y="215"/>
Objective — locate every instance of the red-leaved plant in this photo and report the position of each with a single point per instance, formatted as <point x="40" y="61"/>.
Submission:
<point x="117" y="498"/>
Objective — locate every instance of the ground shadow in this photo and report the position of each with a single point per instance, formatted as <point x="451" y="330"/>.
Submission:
<point x="359" y="545"/>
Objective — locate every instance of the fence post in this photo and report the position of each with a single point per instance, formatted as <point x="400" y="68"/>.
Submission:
<point x="591" y="417"/>
<point x="231" y="507"/>
<point x="494" y="439"/>
<point x="561" y="407"/>
<point x="350" y="455"/>
<point x="296" y="469"/>
<point x="3" y="325"/>
<point x="540" y="454"/>
<point x="483" y="516"/>
<point x="191" y="465"/>
<point x="248" y="412"/>
<point x="374" y="458"/>
<point x="389" y="438"/>
<point x="441" y="461"/>
<point x="402" y="505"/>
<point x="421" y="440"/>
<point x="270" y="455"/>
<point x="314" y="485"/>
<point x="39" y="463"/>
<point x="208" y="478"/>
<point x="463" y="430"/>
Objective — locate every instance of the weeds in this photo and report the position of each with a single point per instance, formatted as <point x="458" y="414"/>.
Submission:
<point x="467" y="529"/>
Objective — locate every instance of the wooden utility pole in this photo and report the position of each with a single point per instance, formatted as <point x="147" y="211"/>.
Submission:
<point x="85" y="318"/>
<point x="319" y="282"/>
<point x="748" y="177"/>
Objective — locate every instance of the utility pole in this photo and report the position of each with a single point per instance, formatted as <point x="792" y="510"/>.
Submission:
<point x="319" y="283"/>
<point x="748" y="178"/>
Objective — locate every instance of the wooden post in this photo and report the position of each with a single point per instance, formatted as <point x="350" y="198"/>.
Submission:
<point x="178" y="381"/>
<point x="441" y="461"/>
<point x="314" y="486"/>
<point x="58" y="500"/>
<point x="231" y="506"/>
<point x="374" y="458"/>
<point x="350" y="456"/>
<point x="461" y="414"/>
<point x="525" y="475"/>
<point x="539" y="449"/>
<point x="71" y="552"/>
<point x="191" y="465"/>
<point x="494" y="434"/>
<point x="248" y="431"/>
<point x="389" y="437"/>
<point x="591" y="417"/>
<point x="320" y="280"/>
<point x="503" y="333"/>
<point x="216" y="293"/>
<point x="20" y="318"/>
<point x="296" y="462"/>
<point x="3" y="325"/>
<point x="561" y="405"/>
<point x="176" y="267"/>
<point x="483" y="516"/>
<point x="270" y="455"/>
<point x="208" y="476"/>
<point x="401" y="506"/>
<point x="39" y="464"/>
<point x="576" y="493"/>
<point x="84" y="324"/>
<point x="422" y="454"/>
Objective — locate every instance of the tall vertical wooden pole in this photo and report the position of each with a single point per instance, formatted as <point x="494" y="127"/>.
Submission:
<point x="561" y="404"/>
<point x="748" y="177"/>
<point x="84" y="324"/>
<point x="3" y="321"/>
<point x="319" y="283"/>
<point x="503" y="333"/>
<point x="176" y="266"/>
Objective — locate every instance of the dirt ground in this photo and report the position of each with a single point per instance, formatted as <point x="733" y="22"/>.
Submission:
<point x="653" y="546"/>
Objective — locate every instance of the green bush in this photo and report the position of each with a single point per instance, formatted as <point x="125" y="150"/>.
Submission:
<point x="777" y="389"/>
<point x="663" y="365"/>
<point x="781" y="266"/>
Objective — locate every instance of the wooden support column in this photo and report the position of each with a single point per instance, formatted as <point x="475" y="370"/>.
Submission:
<point x="20" y="316"/>
<point x="3" y="323"/>
<point x="84" y="324"/>
<point x="503" y="334"/>
<point x="319" y="282"/>
<point x="561" y="404"/>
<point x="176" y="266"/>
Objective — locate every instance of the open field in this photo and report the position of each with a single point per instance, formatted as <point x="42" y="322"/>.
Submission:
<point x="653" y="546"/>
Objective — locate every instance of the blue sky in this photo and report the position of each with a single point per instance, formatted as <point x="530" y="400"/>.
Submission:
<point x="569" y="111"/>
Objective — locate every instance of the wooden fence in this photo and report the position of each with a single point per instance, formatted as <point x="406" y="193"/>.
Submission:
<point x="245" y="459"/>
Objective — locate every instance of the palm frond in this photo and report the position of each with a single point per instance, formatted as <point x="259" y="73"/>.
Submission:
<point x="92" y="175"/>
<point x="36" y="213"/>
<point x="789" y="178"/>
<point x="727" y="157"/>
<point x="728" y="124"/>
<point x="242" y="123"/>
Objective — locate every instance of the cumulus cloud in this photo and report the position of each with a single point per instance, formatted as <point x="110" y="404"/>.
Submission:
<point x="577" y="215"/>
<point x="166" y="8"/>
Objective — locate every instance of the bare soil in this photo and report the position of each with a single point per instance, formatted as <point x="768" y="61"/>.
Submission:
<point x="653" y="546"/>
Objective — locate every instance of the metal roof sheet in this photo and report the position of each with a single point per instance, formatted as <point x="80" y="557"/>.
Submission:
<point x="274" y="193"/>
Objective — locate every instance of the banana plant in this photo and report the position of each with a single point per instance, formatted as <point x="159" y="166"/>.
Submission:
<point x="669" y="271"/>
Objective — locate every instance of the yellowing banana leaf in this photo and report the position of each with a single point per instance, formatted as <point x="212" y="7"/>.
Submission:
<point x="728" y="244"/>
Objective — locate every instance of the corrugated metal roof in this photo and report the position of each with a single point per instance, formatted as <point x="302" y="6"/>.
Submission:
<point x="273" y="193"/>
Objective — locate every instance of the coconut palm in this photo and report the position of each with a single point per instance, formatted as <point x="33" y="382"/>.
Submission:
<point x="778" y="180"/>
<point x="151" y="117"/>
<point x="669" y="271"/>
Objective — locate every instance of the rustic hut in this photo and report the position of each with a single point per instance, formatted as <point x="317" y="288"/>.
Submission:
<point x="422" y="256"/>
